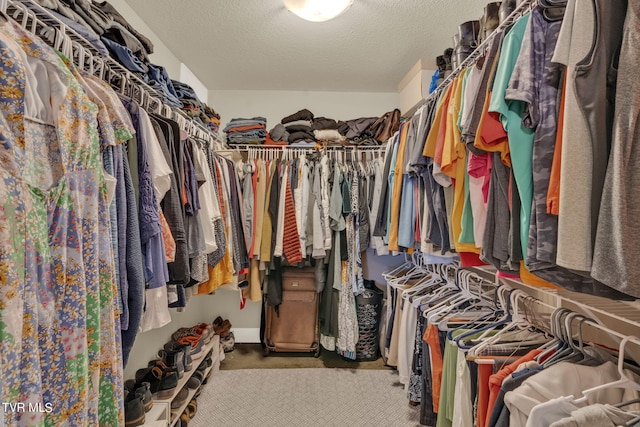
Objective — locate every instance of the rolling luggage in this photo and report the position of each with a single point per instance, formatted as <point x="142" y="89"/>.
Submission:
<point x="294" y="328"/>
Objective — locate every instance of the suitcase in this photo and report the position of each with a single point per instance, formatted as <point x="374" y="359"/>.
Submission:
<point x="295" y="327"/>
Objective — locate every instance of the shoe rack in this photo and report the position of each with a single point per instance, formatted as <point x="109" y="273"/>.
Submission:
<point x="161" y="413"/>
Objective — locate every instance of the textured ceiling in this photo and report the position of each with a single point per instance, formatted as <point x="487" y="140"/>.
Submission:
<point x="258" y="44"/>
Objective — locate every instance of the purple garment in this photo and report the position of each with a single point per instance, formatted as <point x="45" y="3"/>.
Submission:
<point x="191" y="181"/>
<point x="153" y="252"/>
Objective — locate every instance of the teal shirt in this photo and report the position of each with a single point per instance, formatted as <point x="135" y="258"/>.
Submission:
<point x="511" y="113"/>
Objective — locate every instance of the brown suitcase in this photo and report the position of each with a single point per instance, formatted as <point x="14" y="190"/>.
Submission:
<point x="295" y="327"/>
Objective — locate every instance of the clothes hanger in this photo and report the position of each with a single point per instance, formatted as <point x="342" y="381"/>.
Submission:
<point x="464" y="296"/>
<point x="553" y="345"/>
<point x="503" y="295"/>
<point x="562" y="348"/>
<point x="623" y="382"/>
<point x="479" y="307"/>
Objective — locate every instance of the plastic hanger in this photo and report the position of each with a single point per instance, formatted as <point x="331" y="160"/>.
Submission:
<point x="623" y="382"/>
<point x="563" y="348"/>
<point x="505" y="303"/>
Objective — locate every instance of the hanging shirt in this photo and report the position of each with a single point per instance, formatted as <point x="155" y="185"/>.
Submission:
<point x="574" y="227"/>
<point x="511" y="113"/>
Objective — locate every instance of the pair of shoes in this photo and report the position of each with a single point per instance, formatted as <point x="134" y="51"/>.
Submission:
<point x="196" y="380"/>
<point x="162" y="381"/>
<point x="180" y="398"/>
<point x="173" y="359"/>
<point x="189" y="413"/>
<point x="221" y="327"/>
<point x="191" y="337"/>
<point x="198" y="377"/>
<point x="134" y="409"/>
<point x="182" y="351"/>
<point x="228" y="343"/>
<point x="142" y="390"/>
<point x="204" y="331"/>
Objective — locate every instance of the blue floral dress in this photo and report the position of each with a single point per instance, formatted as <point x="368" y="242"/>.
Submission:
<point x="59" y="320"/>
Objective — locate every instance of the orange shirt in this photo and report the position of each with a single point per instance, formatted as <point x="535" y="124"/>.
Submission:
<point x="438" y="123"/>
<point x="495" y="380"/>
<point x="396" y="194"/>
<point x="553" y="193"/>
<point x="432" y="338"/>
<point x="529" y="278"/>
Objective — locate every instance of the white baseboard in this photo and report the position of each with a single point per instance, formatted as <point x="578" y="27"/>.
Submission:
<point x="246" y="335"/>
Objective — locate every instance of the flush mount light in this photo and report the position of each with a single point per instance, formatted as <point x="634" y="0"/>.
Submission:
<point x="317" y="10"/>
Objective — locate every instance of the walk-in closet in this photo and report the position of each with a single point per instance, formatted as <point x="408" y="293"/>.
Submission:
<point x="305" y="212"/>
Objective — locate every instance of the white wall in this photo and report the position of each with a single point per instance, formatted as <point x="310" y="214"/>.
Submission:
<point x="187" y="76"/>
<point x="161" y="53"/>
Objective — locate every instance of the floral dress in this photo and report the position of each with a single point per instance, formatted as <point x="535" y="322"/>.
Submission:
<point x="59" y="317"/>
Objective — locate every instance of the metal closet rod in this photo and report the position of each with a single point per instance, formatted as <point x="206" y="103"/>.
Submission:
<point x="247" y="147"/>
<point x="519" y="11"/>
<point x="81" y="47"/>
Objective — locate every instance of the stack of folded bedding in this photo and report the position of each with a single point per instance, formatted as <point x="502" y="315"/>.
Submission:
<point x="298" y="125"/>
<point x="247" y="131"/>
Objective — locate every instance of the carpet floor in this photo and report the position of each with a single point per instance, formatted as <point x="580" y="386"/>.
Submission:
<point x="250" y="356"/>
<point x="304" y="397"/>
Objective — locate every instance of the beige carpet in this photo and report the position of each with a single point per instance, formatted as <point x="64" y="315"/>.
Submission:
<point x="250" y="356"/>
<point x="304" y="397"/>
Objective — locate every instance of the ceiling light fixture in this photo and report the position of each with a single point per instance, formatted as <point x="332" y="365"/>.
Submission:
<point x="317" y="10"/>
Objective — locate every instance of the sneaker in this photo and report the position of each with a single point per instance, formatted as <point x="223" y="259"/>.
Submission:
<point x="196" y="345"/>
<point x="202" y="331"/>
<point x="228" y="343"/>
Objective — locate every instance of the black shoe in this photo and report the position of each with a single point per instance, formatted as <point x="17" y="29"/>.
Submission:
<point x="134" y="414"/>
<point x="174" y="359"/>
<point x="186" y="353"/>
<point x="142" y="390"/>
<point x="195" y="380"/>
<point x="162" y="382"/>
<point x="180" y="398"/>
